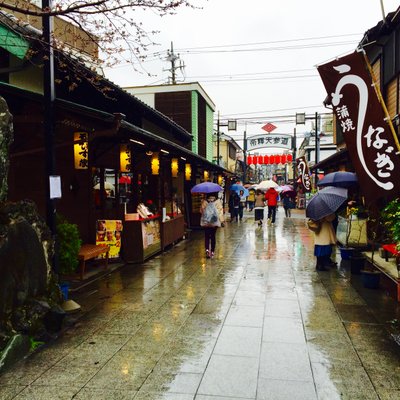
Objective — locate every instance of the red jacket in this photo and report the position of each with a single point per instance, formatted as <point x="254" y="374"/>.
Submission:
<point x="272" y="197"/>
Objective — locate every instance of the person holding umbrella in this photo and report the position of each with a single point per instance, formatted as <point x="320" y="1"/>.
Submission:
<point x="212" y="217"/>
<point x="272" y="200"/>
<point x="321" y="210"/>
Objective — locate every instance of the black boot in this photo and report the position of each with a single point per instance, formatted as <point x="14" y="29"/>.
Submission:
<point x="320" y="264"/>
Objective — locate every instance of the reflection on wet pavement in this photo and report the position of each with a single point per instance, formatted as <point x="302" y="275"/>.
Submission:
<point x="255" y="322"/>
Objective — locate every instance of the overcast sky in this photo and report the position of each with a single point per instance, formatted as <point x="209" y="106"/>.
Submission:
<point x="256" y="59"/>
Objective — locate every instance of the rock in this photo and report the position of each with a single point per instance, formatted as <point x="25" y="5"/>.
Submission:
<point x="17" y="348"/>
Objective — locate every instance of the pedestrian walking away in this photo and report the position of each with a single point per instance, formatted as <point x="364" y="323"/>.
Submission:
<point x="272" y="200"/>
<point x="324" y="239"/>
<point x="212" y="217"/>
<point x="259" y="205"/>
<point x="234" y="204"/>
<point x="288" y="204"/>
<point x="242" y="204"/>
<point x="251" y="198"/>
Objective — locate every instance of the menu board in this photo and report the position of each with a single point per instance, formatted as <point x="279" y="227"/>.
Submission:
<point x="109" y="232"/>
<point x="151" y="233"/>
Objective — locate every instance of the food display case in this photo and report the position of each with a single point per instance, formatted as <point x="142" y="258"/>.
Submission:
<point x="172" y="230"/>
<point x="141" y="239"/>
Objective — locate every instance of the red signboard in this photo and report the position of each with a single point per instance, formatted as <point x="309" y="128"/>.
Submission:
<point x="269" y="127"/>
<point x="368" y="136"/>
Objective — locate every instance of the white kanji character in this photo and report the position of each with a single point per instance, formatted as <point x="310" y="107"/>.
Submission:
<point x="378" y="143"/>
<point x="347" y="125"/>
<point x="342" y="112"/>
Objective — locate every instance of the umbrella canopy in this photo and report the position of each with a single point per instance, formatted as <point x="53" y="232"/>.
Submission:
<point x="265" y="185"/>
<point x="339" y="179"/>
<point x="326" y="202"/>
<point x="206" y="187"/>
<point x="107" y="186"/>
<point x="237" y="187"/>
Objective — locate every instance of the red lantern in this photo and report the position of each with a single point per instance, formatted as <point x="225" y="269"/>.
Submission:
<point x="255" y="160"/>
<point x="284" y="158"/>
<point x="260" y="159"/>
<point x="266" y="159"/>
<point x="289" y="158"/>
<point x="249" y="160"/>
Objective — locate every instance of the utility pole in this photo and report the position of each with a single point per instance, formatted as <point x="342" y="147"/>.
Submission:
<point x="316" y="148"/>
<point x="173" y="58"/>
<point x="294" y="148"/>
<point x="218" y="125"/>
<point x="245" y="153"/>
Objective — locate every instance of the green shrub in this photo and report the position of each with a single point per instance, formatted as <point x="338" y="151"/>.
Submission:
<point x="68" y="243"/>
<point x="391" y="219"/>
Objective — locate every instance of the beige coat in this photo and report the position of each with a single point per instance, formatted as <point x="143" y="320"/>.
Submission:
<point x="326" y="235"/>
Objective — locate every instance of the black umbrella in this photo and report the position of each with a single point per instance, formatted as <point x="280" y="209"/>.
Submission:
<point x="326" y="202"/>
<point x="339" y="179"/>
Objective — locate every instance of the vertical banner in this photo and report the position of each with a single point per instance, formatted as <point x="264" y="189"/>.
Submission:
<point x="304" y="174"/>
<point x="369" y="138"/>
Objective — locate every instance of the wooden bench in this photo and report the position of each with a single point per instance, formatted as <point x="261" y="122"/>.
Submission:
<point x="90" y="251"/>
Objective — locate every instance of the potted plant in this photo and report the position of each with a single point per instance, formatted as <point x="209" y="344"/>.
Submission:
<point x="68" y="245"/>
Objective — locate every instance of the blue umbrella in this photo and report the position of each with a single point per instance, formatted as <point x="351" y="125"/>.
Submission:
<point x="326" y="202"/>
<point x="339" y="179"/>
<point x="206" y="187"/>
<point x="236" y="187"/>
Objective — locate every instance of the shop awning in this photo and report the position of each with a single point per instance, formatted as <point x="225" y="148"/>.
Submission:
<point x="13" y="43"/>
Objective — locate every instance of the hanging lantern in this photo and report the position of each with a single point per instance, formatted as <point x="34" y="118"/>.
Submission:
<point x="220" y="180"/>
<point x="155" y="164"/>
<point x="279" y="159"/>
<point x="81" y="150"/>
<point x="255" y="160"/>
<point x="289" y="158"/>
<point x="125" y="158"/>
<point x="206" y="175"/>
<point x="275" y="159"/>
<point x="249" y="160"/>
<point x="260" y="159"/>
<point x="188" y="172"/>
<point x="266" y="159"/>
<point x="284" y="158"/>
<point x="174" y="167"/>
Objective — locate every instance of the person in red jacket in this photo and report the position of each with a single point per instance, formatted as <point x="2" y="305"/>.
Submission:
<point x="272" y="199"/>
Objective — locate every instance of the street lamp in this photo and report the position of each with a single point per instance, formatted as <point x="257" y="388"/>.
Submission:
<point x="231" y="124"/>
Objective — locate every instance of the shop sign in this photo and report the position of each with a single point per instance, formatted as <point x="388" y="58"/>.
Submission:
<point x="81" y="150"/>
<point x="368" y="133"/>
<point x="125" y="158"/>
<point x="275" y="140"/>
<point x="304" y="174"/>
<point x="109" y="233"/>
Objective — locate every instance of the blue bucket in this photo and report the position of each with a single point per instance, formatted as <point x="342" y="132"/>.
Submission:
<point x="346" y="252"/>
<point x="64" y="290"/>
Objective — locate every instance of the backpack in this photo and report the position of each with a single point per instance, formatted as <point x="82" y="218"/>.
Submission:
<point x="210" y="215"/>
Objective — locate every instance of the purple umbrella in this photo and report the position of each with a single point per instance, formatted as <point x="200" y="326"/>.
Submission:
<point x="339" y="179"/>
<point x="206" y="187"/>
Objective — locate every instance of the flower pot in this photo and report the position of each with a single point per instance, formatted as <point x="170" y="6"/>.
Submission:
<point x="346" y="252"/>
<point x="370" y="279"/>
<point x="64" y="290"/>
<point x="357" y="264"/>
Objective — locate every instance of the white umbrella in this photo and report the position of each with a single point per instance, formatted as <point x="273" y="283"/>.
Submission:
<point x="107" y="186"/>
<point x="265" y="185"/>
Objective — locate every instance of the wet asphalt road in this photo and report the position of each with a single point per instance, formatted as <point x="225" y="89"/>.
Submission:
<point x="255" y="322"/>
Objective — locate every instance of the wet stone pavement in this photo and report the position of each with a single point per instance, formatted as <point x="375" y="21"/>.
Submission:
<point x="255" y="322"/>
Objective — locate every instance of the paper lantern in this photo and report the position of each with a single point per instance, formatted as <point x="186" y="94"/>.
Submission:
<point x="284" y="158"/>
<point x="260" y="159"/>
<point x="188" y="172"/>
<point x="174" y="167"/>
<point x="266" y="159"/>
<point x="125" y="158"/>
<point x="289" y="158"/>
<point x="155" y="164"/>
<point x="206" y="175"/>
<point x="81" y="150"/>
<point x="249" y="160"/>
<point x="255" y="160"/>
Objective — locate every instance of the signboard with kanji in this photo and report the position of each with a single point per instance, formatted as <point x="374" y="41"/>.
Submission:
<point x="275" y="140"/>
<point x="368" y="136"/>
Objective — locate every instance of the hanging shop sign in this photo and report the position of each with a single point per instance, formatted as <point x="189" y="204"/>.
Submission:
<point x="304" y="173"/>
<point x="366" y="126"/>
<point x="81" y="150"/>
<point x="125" y="158"/>
<point x="268" y="141"/>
